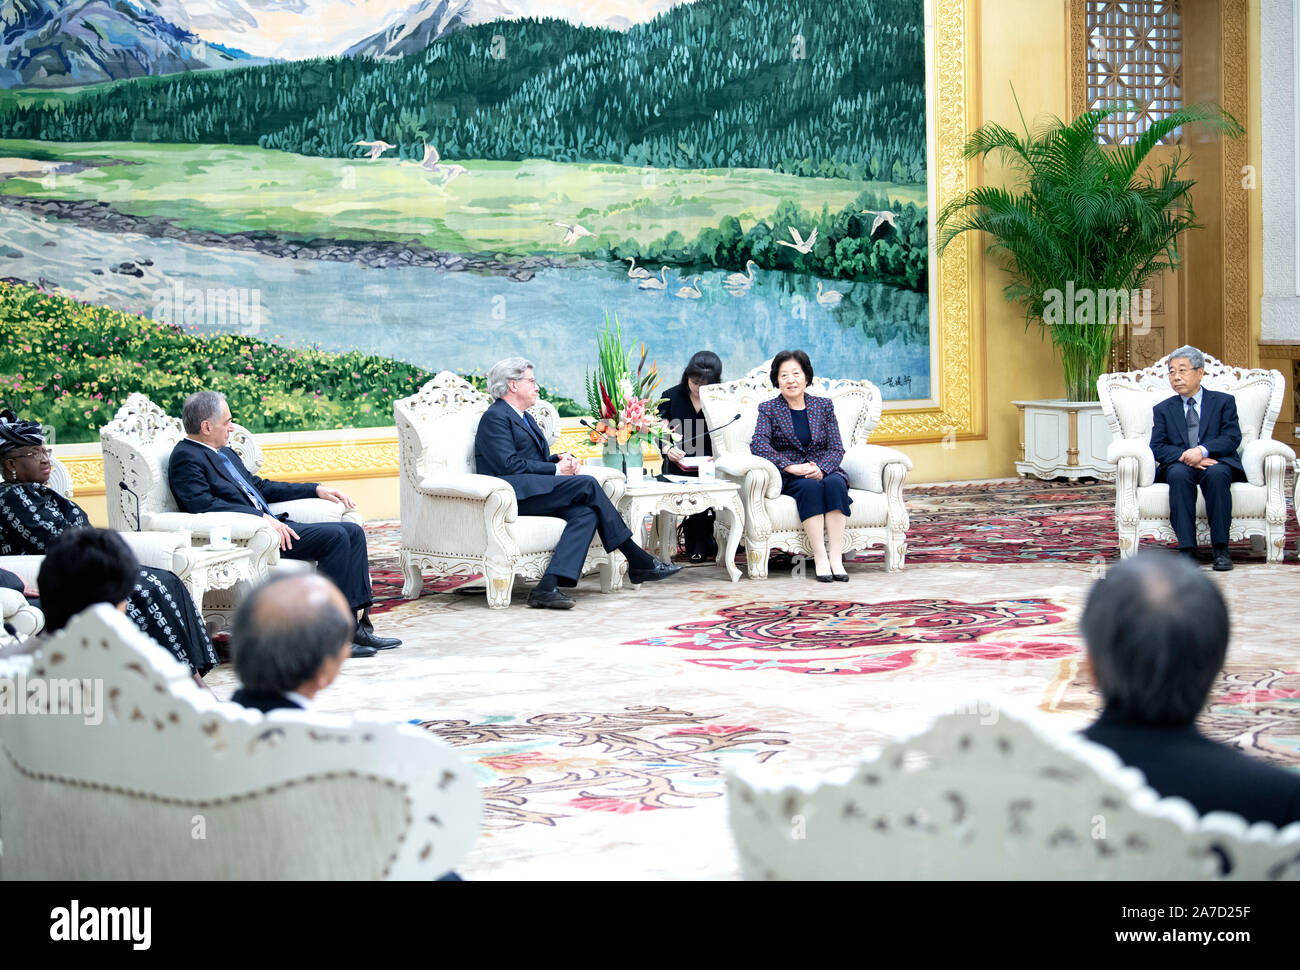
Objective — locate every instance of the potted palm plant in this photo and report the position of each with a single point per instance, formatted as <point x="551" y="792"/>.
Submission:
<point x="1080" y="233"/>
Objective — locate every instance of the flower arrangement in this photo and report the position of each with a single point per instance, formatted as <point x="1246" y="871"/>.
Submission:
<point x="624" y="403"/>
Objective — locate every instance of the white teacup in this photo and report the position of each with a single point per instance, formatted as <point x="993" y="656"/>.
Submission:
<point x="635" y="475"/>
<point x="706" y="468"/>
<point x="219" y="537"/>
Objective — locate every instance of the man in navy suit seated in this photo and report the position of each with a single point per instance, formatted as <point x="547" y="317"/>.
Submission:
<point x="510" y="445"/>
<point x="1157" y="634"/>
<point x="1195" y="437"/>
<point x="288" y="641"/>
<point x="207" y="476"/>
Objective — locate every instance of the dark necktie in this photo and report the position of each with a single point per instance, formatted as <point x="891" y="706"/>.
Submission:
<point x="537" y="432"/>
<point x="1193" y="423"/>
<point x="250" y="493"/>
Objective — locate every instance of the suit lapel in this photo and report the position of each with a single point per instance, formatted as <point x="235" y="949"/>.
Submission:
<point x="214" y="458"/>
<point x="536" y="435"/>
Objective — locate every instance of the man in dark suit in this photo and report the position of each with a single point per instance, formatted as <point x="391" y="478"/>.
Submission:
<point x="1157" y="634"/>
<point x="1195" y="437"/>
<point x="288" y="641"/>
<point x="207" y="476"/>
<point x="510" y="445"/>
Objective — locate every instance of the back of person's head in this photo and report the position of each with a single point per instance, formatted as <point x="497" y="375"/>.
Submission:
<point x="83" y="567"/>
<point x="286" y="629"/>
<point x="1157" y="633"/>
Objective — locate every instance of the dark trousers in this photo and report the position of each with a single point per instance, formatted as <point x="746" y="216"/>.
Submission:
<point x="814" y="498"/>
<point x="586" y="509"/>
<point x="339" y="549"/>
<point x="9" y="580"/>
<point x="1216" y="486"/>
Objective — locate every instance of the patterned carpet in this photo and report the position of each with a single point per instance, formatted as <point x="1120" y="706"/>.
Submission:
<point x="601" y="735"/>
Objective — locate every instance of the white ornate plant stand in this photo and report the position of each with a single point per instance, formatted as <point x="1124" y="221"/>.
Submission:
<point x="664" y="500"/>
<point x="218" y="569"/>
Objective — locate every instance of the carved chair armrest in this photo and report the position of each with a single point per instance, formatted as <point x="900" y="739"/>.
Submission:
<point x="1253" y="458"/>
<point x="865" y="466"/>
<point x="161" y="550"/>
<point x="1136" y="448"/>
<point x="761" y="477"/>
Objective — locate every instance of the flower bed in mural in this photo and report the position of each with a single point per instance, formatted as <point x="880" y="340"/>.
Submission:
<point x="70" y="365"/>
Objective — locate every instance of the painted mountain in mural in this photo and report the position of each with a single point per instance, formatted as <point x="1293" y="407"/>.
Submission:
<point x="430" y="20"/>
<point x="48" y="43"/>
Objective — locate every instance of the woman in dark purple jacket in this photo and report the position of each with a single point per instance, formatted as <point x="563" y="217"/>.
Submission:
<point x="798" y="433"/>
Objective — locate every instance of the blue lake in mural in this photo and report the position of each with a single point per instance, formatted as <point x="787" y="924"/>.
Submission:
<point x="463" y="321"/>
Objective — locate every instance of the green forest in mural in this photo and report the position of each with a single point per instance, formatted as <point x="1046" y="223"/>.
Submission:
<point x="671" y="93"/>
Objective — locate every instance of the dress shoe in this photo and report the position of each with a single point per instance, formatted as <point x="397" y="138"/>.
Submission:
<point x="367" y="638"/>
<point x="554" y="599"/>
<point x="360" y="651"/>
<point x="1222" y="561"/>
<point x="660" y="570"/>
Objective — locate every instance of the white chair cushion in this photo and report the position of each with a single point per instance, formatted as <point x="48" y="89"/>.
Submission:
<point x="1133" y="409"/>
<point x="1248" y="501"/>
<point x="537" y="533"/>
<point x="868" y="509"/>
<point x="448" y="443"/>
<point x="1252" y="397"/>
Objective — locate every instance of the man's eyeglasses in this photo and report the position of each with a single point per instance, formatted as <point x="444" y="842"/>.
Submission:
<point x="527" y="380"/>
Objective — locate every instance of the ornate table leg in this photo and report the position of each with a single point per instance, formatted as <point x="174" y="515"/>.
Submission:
<point x="736" y="514"/>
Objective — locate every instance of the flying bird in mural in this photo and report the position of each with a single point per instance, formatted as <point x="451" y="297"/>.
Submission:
<point x="433" y="164"/>
<point x="740" y="279"/>
<point x="574" y="231"/>
<point x="800" y="244"/>
<point x="884" y="217"/>
<point x="377" y="148"/>
<point x="830" y="297"/>
<point x="653" y="283"/>
<point x="690" y="291"/>
<point x="635" y="272"/>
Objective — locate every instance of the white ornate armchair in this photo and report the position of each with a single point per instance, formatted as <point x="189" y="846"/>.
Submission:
<point x="989" y="796"/>
<point x="875" y="473"/>
<point x="157" y="549"/>
<point x="456" y="522"/>
<point x="137" y="446"/>
<point x="133" y="772"/>
<point x="1142" y="504"/>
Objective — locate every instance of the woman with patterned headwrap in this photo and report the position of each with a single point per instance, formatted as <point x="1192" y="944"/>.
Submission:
<point x="32" y="514"/>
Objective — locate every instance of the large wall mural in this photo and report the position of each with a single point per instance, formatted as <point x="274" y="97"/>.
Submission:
<point x="259" y="190"/>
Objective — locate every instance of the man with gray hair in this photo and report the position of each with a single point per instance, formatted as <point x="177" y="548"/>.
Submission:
<point x="206" y="475"/>
<point x="1195" y="437"/>
<point x="509" y="445"/>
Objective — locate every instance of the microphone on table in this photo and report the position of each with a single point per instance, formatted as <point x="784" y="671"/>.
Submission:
<point x="728" y="424"/>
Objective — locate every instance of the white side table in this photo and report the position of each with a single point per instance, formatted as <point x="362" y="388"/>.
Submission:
<point x="663" y="499"/>
<point x="217" y="569"/>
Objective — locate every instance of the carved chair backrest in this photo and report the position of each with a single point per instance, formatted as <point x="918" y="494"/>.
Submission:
<point x="145" y="776"/>
<point x="857" y="407"/>
<point x="987" y="795"/>
<point x="437" y="424"/>
<point x="137" y="447"/>
<point x="1127" y="398"/>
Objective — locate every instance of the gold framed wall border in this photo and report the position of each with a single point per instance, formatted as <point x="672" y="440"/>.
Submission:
<point x="955" y="287"/>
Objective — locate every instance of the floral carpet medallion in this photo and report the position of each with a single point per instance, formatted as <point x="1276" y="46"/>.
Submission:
<point x="553" y="766"/>
<point x="863" y="638"/>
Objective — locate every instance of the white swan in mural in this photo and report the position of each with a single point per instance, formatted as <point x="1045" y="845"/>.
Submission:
<point x="377" y="148"/>
<point x="800" y="244"/>
<point x="690" y="291"/>
<point x="830" y="297"/>
<point x="740" y="279"/>
<point x="635" y="272"/>
<point x="884" y="217"/>
<point x="656" y="284"/>
<point x="574" y="232"/>
<point x="433" y="165"/>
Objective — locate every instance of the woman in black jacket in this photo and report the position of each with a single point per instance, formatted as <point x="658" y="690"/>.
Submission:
<point x="681" y="409"/>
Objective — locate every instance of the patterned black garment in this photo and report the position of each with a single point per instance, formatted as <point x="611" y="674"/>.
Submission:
<point x="32" y="515"/>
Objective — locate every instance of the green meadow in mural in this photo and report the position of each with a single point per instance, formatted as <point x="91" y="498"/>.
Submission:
<point x="737" y="175"/>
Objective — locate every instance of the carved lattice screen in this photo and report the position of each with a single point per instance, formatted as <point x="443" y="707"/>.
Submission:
<point x="1135" y="59"/>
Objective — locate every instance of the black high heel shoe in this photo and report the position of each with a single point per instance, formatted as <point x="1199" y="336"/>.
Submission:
<point x="824" y="577"/>
<point x="840" y="577"/>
